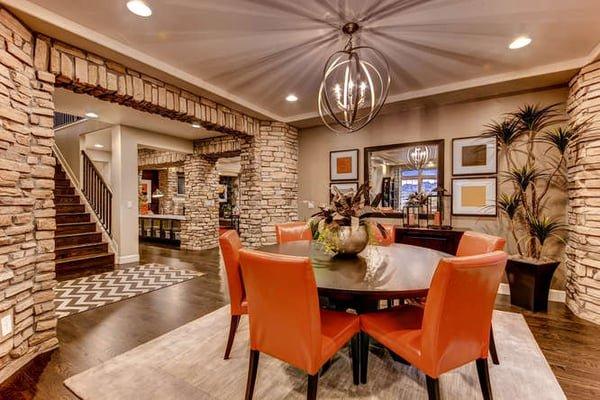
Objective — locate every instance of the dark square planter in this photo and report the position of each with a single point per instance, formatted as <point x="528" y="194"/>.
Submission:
<point x="530" y="283"/>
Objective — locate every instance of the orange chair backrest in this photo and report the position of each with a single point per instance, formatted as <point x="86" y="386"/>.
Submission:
<point x="458" y="311"/>
<point x="474" y="243"/>
<point x="292" y="231"/>
<point x="390" y="231"/>
<point x="230" y="248"/>
<point x="283" y="308"/>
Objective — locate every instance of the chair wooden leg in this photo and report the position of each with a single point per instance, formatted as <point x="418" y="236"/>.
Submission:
<point x="493" y="351"/>
<point x="364" y="356"/>
<point x="313" y="383"/>
<point x="433" y="388"/>
<point x="252" y="369"/>
<point x="355" y="350"/>
<point x="235" y="320"/>
<point x="484" y="378"/>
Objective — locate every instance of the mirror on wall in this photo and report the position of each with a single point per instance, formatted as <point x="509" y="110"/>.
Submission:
<point x="398" y="170"/>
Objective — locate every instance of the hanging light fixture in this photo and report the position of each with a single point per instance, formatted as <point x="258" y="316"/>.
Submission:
<point x="418" y="157"/>
<point x="355" y="85"/>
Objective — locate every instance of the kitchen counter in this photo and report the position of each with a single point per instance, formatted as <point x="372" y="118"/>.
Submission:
<point x="164" y="216"/>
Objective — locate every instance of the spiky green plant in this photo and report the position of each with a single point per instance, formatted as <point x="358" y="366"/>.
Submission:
<point x="506" y="132"/>
<point x="509" y="204"/>
<point x="544" y="227"/>
<point x="517" y="136"/>
<point x="523" y="177"/>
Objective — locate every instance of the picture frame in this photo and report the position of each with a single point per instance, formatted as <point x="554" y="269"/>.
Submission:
<point x="146" y="189"/>
<point x="474" y="196"/>
<point x="474" y="155"/>
<point x="343" y="187"/>
<point x="343" y="165"/>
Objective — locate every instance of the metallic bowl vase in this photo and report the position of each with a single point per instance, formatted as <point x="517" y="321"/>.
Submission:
<point x="350" y="242"/>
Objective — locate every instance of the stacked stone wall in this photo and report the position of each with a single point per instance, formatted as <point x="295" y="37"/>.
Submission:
<point x="199" y="231"/>
<point x="27" y="215"/>
<point x="583" y="246"/>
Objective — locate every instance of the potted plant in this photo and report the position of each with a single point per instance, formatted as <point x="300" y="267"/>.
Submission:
<point x="534" y="142"/>
<point x="344" y="228"/>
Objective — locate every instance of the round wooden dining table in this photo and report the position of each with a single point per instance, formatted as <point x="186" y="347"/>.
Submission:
<point x="398" y="271"/>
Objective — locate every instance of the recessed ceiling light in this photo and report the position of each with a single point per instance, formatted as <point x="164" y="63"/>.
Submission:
<point x="99" y="146"/>
<point x="291" y="98"/>
<point x="139" y="7"/>
<point x="91" y="115"/>
<point x="519" y="42"/>
<point x="195" y="125"/>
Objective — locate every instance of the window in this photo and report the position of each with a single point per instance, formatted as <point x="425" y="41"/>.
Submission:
<point x="413" y="180"/>
<point x="180" y="183"/>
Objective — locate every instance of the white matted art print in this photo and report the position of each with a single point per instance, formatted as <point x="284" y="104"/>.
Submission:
<point x="474" y="156"/>
<point x="474" y="197"/>
<point x="343" y="165"/>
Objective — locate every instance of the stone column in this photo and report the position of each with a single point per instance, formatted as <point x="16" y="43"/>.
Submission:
<point x="268" y="182"/>
<point x="27" y="216"/>
<point x="167" y="183"/>
<point x="583" y="247"/>
<point x="200" y="229"/>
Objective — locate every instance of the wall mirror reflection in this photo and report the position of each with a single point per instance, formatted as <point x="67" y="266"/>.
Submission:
<point x="399" y="170"/>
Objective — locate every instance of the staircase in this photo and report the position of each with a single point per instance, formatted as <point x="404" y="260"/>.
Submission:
<point x="78" y="240"/>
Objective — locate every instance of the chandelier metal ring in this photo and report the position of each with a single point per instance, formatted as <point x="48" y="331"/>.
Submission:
<point x="354" y="86"/>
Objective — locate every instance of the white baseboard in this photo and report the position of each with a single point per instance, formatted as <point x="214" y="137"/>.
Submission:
<point x="127" y="259"/>
<point x="555" y="295"/>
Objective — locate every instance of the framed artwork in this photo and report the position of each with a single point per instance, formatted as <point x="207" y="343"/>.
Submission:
<point x="344" y="187"/>
<point x="343" y="165"/>
<point x="474" y="156"/>
<point x="474" y="197"/>
<point x="146" y="189"/>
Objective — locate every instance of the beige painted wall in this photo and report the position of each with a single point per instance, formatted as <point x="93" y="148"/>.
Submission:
<point x="427" y="123"/>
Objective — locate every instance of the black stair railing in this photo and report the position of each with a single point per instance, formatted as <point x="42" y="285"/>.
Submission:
<point x="97" y="192"/>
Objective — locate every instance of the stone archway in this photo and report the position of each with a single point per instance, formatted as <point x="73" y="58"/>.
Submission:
<point x="268" y="185"/>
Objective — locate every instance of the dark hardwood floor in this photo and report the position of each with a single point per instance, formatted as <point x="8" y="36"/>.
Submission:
<point x="571" y="345"/>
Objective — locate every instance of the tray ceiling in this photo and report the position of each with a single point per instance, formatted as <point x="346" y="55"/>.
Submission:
<point x="257" y="52"/>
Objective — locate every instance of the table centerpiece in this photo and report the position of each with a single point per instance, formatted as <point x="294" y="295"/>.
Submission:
<point x="345" y="227"/>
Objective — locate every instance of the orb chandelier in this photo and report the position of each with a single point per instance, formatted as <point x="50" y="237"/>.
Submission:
<point x="418" y="157"/>
<point x="355" y="85"/>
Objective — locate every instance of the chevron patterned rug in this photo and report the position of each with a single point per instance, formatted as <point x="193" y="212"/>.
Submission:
<point x="78" y="295"/>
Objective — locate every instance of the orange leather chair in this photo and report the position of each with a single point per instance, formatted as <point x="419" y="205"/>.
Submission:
<point x="452" y="329"/>
<point x="230" y="248"/>
<point x="292" y="231"/>
<point x="391" y="234"/>
<point x="286" y="321"/>
<point x="475" y="243"/>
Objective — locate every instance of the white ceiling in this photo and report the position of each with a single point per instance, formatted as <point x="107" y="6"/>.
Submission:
<point x="256" y="52"/>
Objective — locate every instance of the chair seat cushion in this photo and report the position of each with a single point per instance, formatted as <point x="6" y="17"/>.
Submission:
<point x="337" y="328"/>
<point x="398" y="329"/>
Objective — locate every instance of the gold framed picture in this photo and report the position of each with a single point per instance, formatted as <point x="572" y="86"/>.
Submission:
<point x="474" y="197"/>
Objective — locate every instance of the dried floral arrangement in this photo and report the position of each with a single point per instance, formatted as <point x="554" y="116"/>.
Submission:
<point x="353" y="209"/>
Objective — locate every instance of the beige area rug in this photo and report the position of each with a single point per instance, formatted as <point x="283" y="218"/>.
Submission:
<point x="187" y="363"/>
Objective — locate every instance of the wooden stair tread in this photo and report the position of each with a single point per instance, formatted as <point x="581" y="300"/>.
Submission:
<point x="85" y="257"/>
<point x="65" y="235"/>
<point x="77" y="223"/>
<point x="79" y="246"/>
<point x="73" y="213"/>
